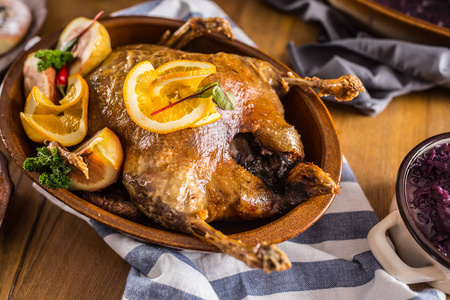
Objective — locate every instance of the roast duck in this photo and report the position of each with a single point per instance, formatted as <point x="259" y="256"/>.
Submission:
<point x="248" y="165"/>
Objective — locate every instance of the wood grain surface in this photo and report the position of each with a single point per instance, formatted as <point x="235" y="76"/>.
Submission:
<point x="46" y="253"/>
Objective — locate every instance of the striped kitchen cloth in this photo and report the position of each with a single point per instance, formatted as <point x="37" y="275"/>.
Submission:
<point x="330" y="260"/>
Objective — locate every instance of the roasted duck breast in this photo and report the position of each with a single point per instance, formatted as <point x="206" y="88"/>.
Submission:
<point x="247" y="165"/>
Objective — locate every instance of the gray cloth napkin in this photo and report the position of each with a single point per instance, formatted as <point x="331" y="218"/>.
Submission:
<point x="388" y="68"/>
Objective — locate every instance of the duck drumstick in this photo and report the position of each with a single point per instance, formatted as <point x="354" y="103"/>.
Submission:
<point x="344" y="88"/>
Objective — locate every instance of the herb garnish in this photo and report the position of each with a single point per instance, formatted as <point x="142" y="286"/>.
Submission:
<point x="60" y="58"/>
<point x="223" y="99"/>
<point x="54" y="171"/>
<point x="53" y="58"/>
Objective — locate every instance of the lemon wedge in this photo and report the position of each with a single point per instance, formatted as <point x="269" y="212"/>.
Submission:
<point x="104" y="156"/>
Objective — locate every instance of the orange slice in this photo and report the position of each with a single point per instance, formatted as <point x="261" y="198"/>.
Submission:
<point x="186" y="67"/>
<point x="211" y="117"/>
<point x="32" y="106"/>
<point x="40" y="104"/>
<point x="173" y="89"/>
<point x="68" y="127"/>
<point x="144" y="94"/>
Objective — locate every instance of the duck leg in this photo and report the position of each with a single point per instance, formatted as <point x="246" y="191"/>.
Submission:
<point x="344" y="88"/>
<point x="262" y="255"/>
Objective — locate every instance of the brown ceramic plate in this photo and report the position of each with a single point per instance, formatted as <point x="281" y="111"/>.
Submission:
<point x="304" y="110"/>
<point x="38" y="10"/>
<point x="391" y="23"/>
<point x="6" y="188"/>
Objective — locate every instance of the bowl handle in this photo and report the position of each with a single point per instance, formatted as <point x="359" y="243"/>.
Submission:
<point x="391" y="262"/>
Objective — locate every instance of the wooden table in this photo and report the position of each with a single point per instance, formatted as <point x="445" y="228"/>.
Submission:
<point x="46" y="253"/>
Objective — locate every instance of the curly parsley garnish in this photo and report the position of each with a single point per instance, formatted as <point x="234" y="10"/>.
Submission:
<point x="53" y="58"/>
<point x="54" y="171"/>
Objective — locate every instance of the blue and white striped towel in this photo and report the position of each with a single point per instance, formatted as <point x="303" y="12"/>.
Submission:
<point x="331" y="260"/>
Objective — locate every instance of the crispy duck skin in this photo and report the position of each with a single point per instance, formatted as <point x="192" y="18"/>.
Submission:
<point x="194" y="28"/>
<point x="344" y="88"/>
<point x="186" y="178"/>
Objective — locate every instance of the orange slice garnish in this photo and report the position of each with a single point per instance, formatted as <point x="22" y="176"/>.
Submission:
<point x="40" y="104"/>
<point x="66" y="123"/>
<point x="145" y="92"/>
<point x="211" y="117"/>
<point x="186" y="67"/>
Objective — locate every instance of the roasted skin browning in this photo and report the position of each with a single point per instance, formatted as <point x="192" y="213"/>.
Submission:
<point x="194" y="28"/>
<point x="344" y="88"/>
<point x="114" y="199"/>
<point x="243" y="166"/>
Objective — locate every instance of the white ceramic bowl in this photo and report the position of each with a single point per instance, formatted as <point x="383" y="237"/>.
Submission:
<point x="415" y="259"/>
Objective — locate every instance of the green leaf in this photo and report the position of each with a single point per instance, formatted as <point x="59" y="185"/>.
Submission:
<point x="67" y="46"/>
<point x="223" y="99"/>
<point x="205" y="91"/>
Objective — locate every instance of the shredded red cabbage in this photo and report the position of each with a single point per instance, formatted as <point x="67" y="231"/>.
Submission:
<point x="433" y="11"/>
<point x="429" y="176"/>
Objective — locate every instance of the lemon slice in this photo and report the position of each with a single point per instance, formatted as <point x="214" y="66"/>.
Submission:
<point x="187" y="67"/>
<point x="144" y="95"/>
<point x="69" y="128"/>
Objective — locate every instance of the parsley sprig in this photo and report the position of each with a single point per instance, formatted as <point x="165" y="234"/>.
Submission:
<point x="54" y="170"/>
<point x="53" y="58"/>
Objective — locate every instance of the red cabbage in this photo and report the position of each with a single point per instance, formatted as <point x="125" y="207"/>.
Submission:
<point x="429" y="178"/>
<point x="433" y="11"/>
